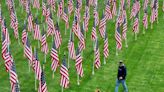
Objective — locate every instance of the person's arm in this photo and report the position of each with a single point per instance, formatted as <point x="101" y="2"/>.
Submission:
<point x="124" y="73"/>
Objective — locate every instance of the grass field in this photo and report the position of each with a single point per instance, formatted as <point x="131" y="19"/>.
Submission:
<point x="144" y="58"/>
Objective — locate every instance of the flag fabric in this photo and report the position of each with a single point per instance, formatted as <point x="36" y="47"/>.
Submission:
<point x="75" y="26"/>
<point x="102" y="26"/>
<point x="36" y="4"/>
<point x="163" y="6"/>
<point x="27" y="6"/>
<point x="77" y="11"/>
<point x="136" y="25"/>
<point x="58" y="38"/>
<point x="97" y="56"/>
<point x="44" y="44"/>
<point x="4" y="45"/>
<point x="133" y="11"/>
<point x="48" y="13"/>
<point x="30" y="23"/>
<point x="14" y="79"/>
<point x="51" y="27"/>
<point x="37" y="66"/>
<point x="96" y="15"/>
<point x="94" y="34"/>
<point x="145" y="4"/>
<point x="8" y="60"/>
<point x="24" y="34"/>
<point x="108" y="13"/>
<point x="114" y="8"/>
<point x="153" y="12"/>
<point x="28" y="51"/>
<point x="118" y="37"/>
<point x="54" y="58"/>
<point x="106" y="50"/>
<point x="78" y="64"/>
<point x="5" y="31"/>
<point x="37" y="34"/>
<point x="42" y="83"/>
<point x="70" y="7"/>
<point x="71" y="47"/>
<point x="145" y="19"/>
<point x="64" y="80"/>
<point x="60" y="9"/>
<point x="128" y="2"/>
<point x="124" y="36"/>
<point x="79" y="3"/>
<point x="65" y="18"/>
<point x="81" y="39"/>
<point x="44" y="8"/>
<point x="122" y="4"/>
<point x="86" y="16"/>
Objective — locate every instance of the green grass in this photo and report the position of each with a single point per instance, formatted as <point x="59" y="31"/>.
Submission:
<point x="143" y="58"/>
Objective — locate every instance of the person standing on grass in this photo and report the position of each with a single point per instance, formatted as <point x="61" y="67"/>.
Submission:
<point x="121" y="76"/>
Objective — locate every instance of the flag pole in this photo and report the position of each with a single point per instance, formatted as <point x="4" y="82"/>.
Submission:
<point x="35" y="75"/>
<point x="45" y="57"/>
<point x="143" y="30"/>
<point x="116" y="51"/>
<point x="65" y="30"/>
<point x="104" y="61"/>
<point x="78" y="82"/>
<point x="135" y="34"/>
<point x="126" y="43"/>
<point x="62" y="89"/>
<point x="151" y="25"/>
<point x="93" y="72"/>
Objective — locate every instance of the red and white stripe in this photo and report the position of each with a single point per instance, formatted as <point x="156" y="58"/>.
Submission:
<point x="78" y="65"/>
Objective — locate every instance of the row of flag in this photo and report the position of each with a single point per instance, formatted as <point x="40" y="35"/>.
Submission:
<point x="31" y="24"/>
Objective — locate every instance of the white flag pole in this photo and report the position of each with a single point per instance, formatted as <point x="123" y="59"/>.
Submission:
<point x="78" y="82"/>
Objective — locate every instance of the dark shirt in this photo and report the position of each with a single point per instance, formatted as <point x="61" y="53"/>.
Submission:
<point x="121" y="72"/>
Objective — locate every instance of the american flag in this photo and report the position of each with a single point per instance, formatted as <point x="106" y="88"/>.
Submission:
<point x="114" y="8"/>
<point x="28" y="51"/>
<point x="30" y="19"/>
<point x="37" y="66"/>
<point x="36" y="4"/>
<point x="27" y="6"/>
<point x="122" y="3"/>
<point x="86" y="16"/>
<point x="64" y="81"/>
<point x="82" y="40"/>
<point x="52" y="3"/>
<point x="47" y="13"/>
<point x="108" y="13"/>
<point x="65" y="17"/>
<point x="133" y="11"/>
<point x="153" y="12"/>
<point x="97" y="56"/>
<point x="94" y="34"/>
<point x="80" y="3"/>
<point x="51" y="27"/>
<point x="4" y="45"/>
<point x="163" y="6"/>
<point x="8" y="60"/>
<point x="75" y="26"/>
<point x="78" y="64"/>
<point x="124" y="23"/>
<point x="60" y="9"/>
<point x="37" y="34"/>
<point x="145" y="19"/>
<point x="124" y="28"/>
<point x="71" y="48"/>
<point x="14" y="79"/>
<point x="128" y="2"/>
<point x="145" y="4"/>
<point x="24" y="34"/>
<point x="137" y="6"/>
<point x="5" y="31"/>
<point x="102" y="26"/>
<point x="136" y="25"/>
<point x="16" y="29"/>
<point x="70" y="7"/>
<point x="42" y="83"/>
<point x="96" y="15"/>
<point x="44" y="8"/>
<point x="77" y="12"/>
<point x="10" y="4"/>
<point x="58" y="38"/>
<point x="54" y="58"/>
<point x="12" y="18"/>
<point x="118" y="37"/>
<point x="44" y="44"/>
<point x="106" y="50"/>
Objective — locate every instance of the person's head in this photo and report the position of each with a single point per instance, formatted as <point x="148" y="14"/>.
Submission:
<point x="121" y="63"/>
